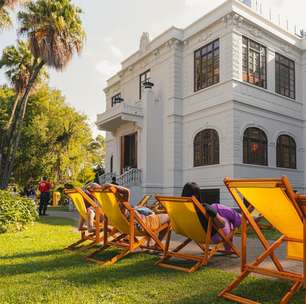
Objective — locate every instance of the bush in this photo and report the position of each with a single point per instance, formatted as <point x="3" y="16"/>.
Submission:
<point x="15" y="212"/>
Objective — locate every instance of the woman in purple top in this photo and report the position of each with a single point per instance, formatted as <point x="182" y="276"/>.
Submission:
<point x="224" y="217"/>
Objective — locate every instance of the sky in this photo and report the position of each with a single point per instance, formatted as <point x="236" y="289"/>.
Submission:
<point x="113" y="29"/>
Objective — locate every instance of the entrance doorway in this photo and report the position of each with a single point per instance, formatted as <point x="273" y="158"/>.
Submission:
<point x="128" y="152"/>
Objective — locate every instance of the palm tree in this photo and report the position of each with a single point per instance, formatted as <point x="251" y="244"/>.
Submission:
<point x="5" y="20"/>
<point x="18" y="63"/>
<point x="54" y="31"/>
<point x="9" y="3"/>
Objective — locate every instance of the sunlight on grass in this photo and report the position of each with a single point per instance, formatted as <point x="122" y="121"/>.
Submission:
<point x="34" y="268"/>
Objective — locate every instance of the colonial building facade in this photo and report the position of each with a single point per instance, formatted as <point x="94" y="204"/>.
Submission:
<point x="225" y="96"/>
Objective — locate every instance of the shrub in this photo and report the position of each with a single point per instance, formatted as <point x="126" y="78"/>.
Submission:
<point x="15" y="212"/>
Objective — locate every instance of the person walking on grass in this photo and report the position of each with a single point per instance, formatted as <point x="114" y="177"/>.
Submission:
<point x="44" y="188"/>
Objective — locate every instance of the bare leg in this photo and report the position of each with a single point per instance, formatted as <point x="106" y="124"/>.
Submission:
<point x="90" y="219"/>
<point x="163" y="218"/>
<point x="81" y="224"/>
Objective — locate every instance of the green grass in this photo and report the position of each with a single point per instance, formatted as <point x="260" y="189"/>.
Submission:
<point x="34" y="268"/>
<point x="59" y="208"/>
<point x="269" y="233"/>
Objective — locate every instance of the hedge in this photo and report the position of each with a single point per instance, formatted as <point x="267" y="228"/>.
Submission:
<point x="15" y="212"/>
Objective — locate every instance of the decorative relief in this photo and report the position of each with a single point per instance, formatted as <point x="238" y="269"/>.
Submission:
<point x="256" y="32"/>
<point x="286" y="49"/>
<point x="233" y="19"/>
<point x="173" y="43"/>
<point x="205" y="37"/>
<point x="156" y="53"/>
<point x="268" y="39"/>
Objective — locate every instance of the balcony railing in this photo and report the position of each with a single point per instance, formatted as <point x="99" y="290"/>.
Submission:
<point x="131" y="177"/>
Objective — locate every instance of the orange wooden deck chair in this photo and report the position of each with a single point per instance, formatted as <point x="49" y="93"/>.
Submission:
<point x="184" y="221"/>
<point x="277" y="202"/>
<point x="130" y="238"/>
<point x="78" y="196"/>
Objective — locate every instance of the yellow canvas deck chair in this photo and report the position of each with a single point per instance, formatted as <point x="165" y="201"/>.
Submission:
<point x="78" y="197"/>
<point x="277" y="202"/>
<point x="130" y="238"/>
<point x="184" y="221"/>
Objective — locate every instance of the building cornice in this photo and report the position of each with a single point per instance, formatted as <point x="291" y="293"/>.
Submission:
<point x="233" y="13"/>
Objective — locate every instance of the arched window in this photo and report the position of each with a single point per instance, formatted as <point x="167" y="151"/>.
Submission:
<point x="255" y="150"/>
<point x="206" y="148"/>
<point x="286" y="152"/>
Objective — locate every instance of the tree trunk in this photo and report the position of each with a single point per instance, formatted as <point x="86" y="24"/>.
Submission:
<point x="8" y="129"/>
<point x="16" y="132"/>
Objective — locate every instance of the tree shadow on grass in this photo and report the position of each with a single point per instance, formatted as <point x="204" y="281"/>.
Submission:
<point x="57" y="261"/>
<point x="266" y="291"/>
<point x="137" y="264"/>
<point x="31" y="254"/>
<point x="56" y="221"/>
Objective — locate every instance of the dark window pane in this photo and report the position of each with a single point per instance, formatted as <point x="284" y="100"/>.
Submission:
<point x="116" y="99"/>
<point x="284" y="76"/>
<point x="206" y="148"/>
<point x="206" y="66"/>
<point x="255" y="147"/>
<point x="286" y="152"/>
<point x="144" y="77"/>
<point x="254" y="62"/>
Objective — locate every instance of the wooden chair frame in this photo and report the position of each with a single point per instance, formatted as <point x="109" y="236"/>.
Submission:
<point x="128" y="243"/>
<point x="209" y="250"/>
<point x="94" y="237"/>
<point x="269" y="249"/>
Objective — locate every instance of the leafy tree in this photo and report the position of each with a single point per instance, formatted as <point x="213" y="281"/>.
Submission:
<point x="54" y="31"/>
<point x="56" y="140"/>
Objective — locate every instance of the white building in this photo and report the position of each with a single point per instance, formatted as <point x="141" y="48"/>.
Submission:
<point x="229" y="99"/>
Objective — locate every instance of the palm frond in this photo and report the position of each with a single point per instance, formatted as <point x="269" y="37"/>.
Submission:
<point x="5" y="20"/>
<point x="54" y="30"/>
<point x="19" y="63"/>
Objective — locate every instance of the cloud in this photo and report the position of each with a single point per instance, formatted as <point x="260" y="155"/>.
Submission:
<point x="107" y="68"/>
<point x="192" y="3"/>
<point x="115" y="51"/>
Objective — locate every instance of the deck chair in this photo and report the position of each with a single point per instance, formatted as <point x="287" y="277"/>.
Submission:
<point x="184" y="221"/>
<point x="78" y="196"/>
<point x="144" y="201"/>
<point x="277" y="202"/>
<point x="130" y="238"/>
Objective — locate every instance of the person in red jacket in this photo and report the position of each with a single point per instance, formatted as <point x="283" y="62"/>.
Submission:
<point x="44" y="187"/>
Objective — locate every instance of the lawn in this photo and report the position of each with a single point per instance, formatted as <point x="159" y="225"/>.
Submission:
<point x="269" y="233"/>
<point x="34" y="268"/>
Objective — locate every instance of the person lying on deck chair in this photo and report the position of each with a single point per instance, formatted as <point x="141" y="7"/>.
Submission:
<point x="89" y="223"/>
<point x="152" y="220"/>
<point x="223" y="216"/>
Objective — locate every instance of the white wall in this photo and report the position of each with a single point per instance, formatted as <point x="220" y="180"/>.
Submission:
<point x="166" y="148"/>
